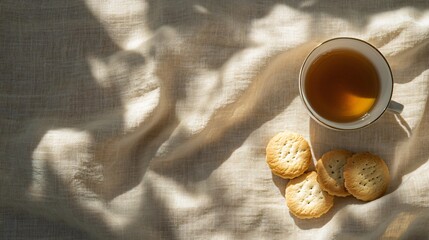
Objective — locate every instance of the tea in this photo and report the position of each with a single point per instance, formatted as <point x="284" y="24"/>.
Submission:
<point x="342" y="85"/>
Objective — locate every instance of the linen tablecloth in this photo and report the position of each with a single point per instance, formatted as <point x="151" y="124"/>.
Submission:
<point x="149" y="119"/>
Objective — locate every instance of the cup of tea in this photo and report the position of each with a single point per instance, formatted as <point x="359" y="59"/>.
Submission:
<point x="346" y="84"/>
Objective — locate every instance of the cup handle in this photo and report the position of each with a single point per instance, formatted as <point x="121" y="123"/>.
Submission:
<point x="395" y="107"/>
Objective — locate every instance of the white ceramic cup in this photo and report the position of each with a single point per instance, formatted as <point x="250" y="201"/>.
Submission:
<point x="383" y="102"/>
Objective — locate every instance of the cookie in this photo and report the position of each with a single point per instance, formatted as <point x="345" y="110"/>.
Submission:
<point x="288" y="155"/>
<point x="330" y="172"/>
<point x="366" y="176"/>
<point x="305" y="198"/>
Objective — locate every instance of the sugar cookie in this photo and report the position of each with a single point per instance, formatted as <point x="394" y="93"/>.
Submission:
<point x="366" y="176"/>
<point x="305" y="198"/>
<point x="330" y="172"/>
<point x="288" y="155"/>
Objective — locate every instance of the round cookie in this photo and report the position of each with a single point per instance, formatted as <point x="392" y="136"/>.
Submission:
<point x="288" y="155"/>
<point x="305" y="198"/>
<point x="330" y="172"/>
<point x="366" y="176"/>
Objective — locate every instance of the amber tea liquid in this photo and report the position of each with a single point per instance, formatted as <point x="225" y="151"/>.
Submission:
<point x="342" y="85"/>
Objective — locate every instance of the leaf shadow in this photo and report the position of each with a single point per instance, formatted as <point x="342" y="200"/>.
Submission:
<point x="262" y="101"/>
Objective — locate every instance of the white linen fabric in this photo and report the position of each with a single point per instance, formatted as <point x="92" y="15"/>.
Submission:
<point x="149" y="119"/>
